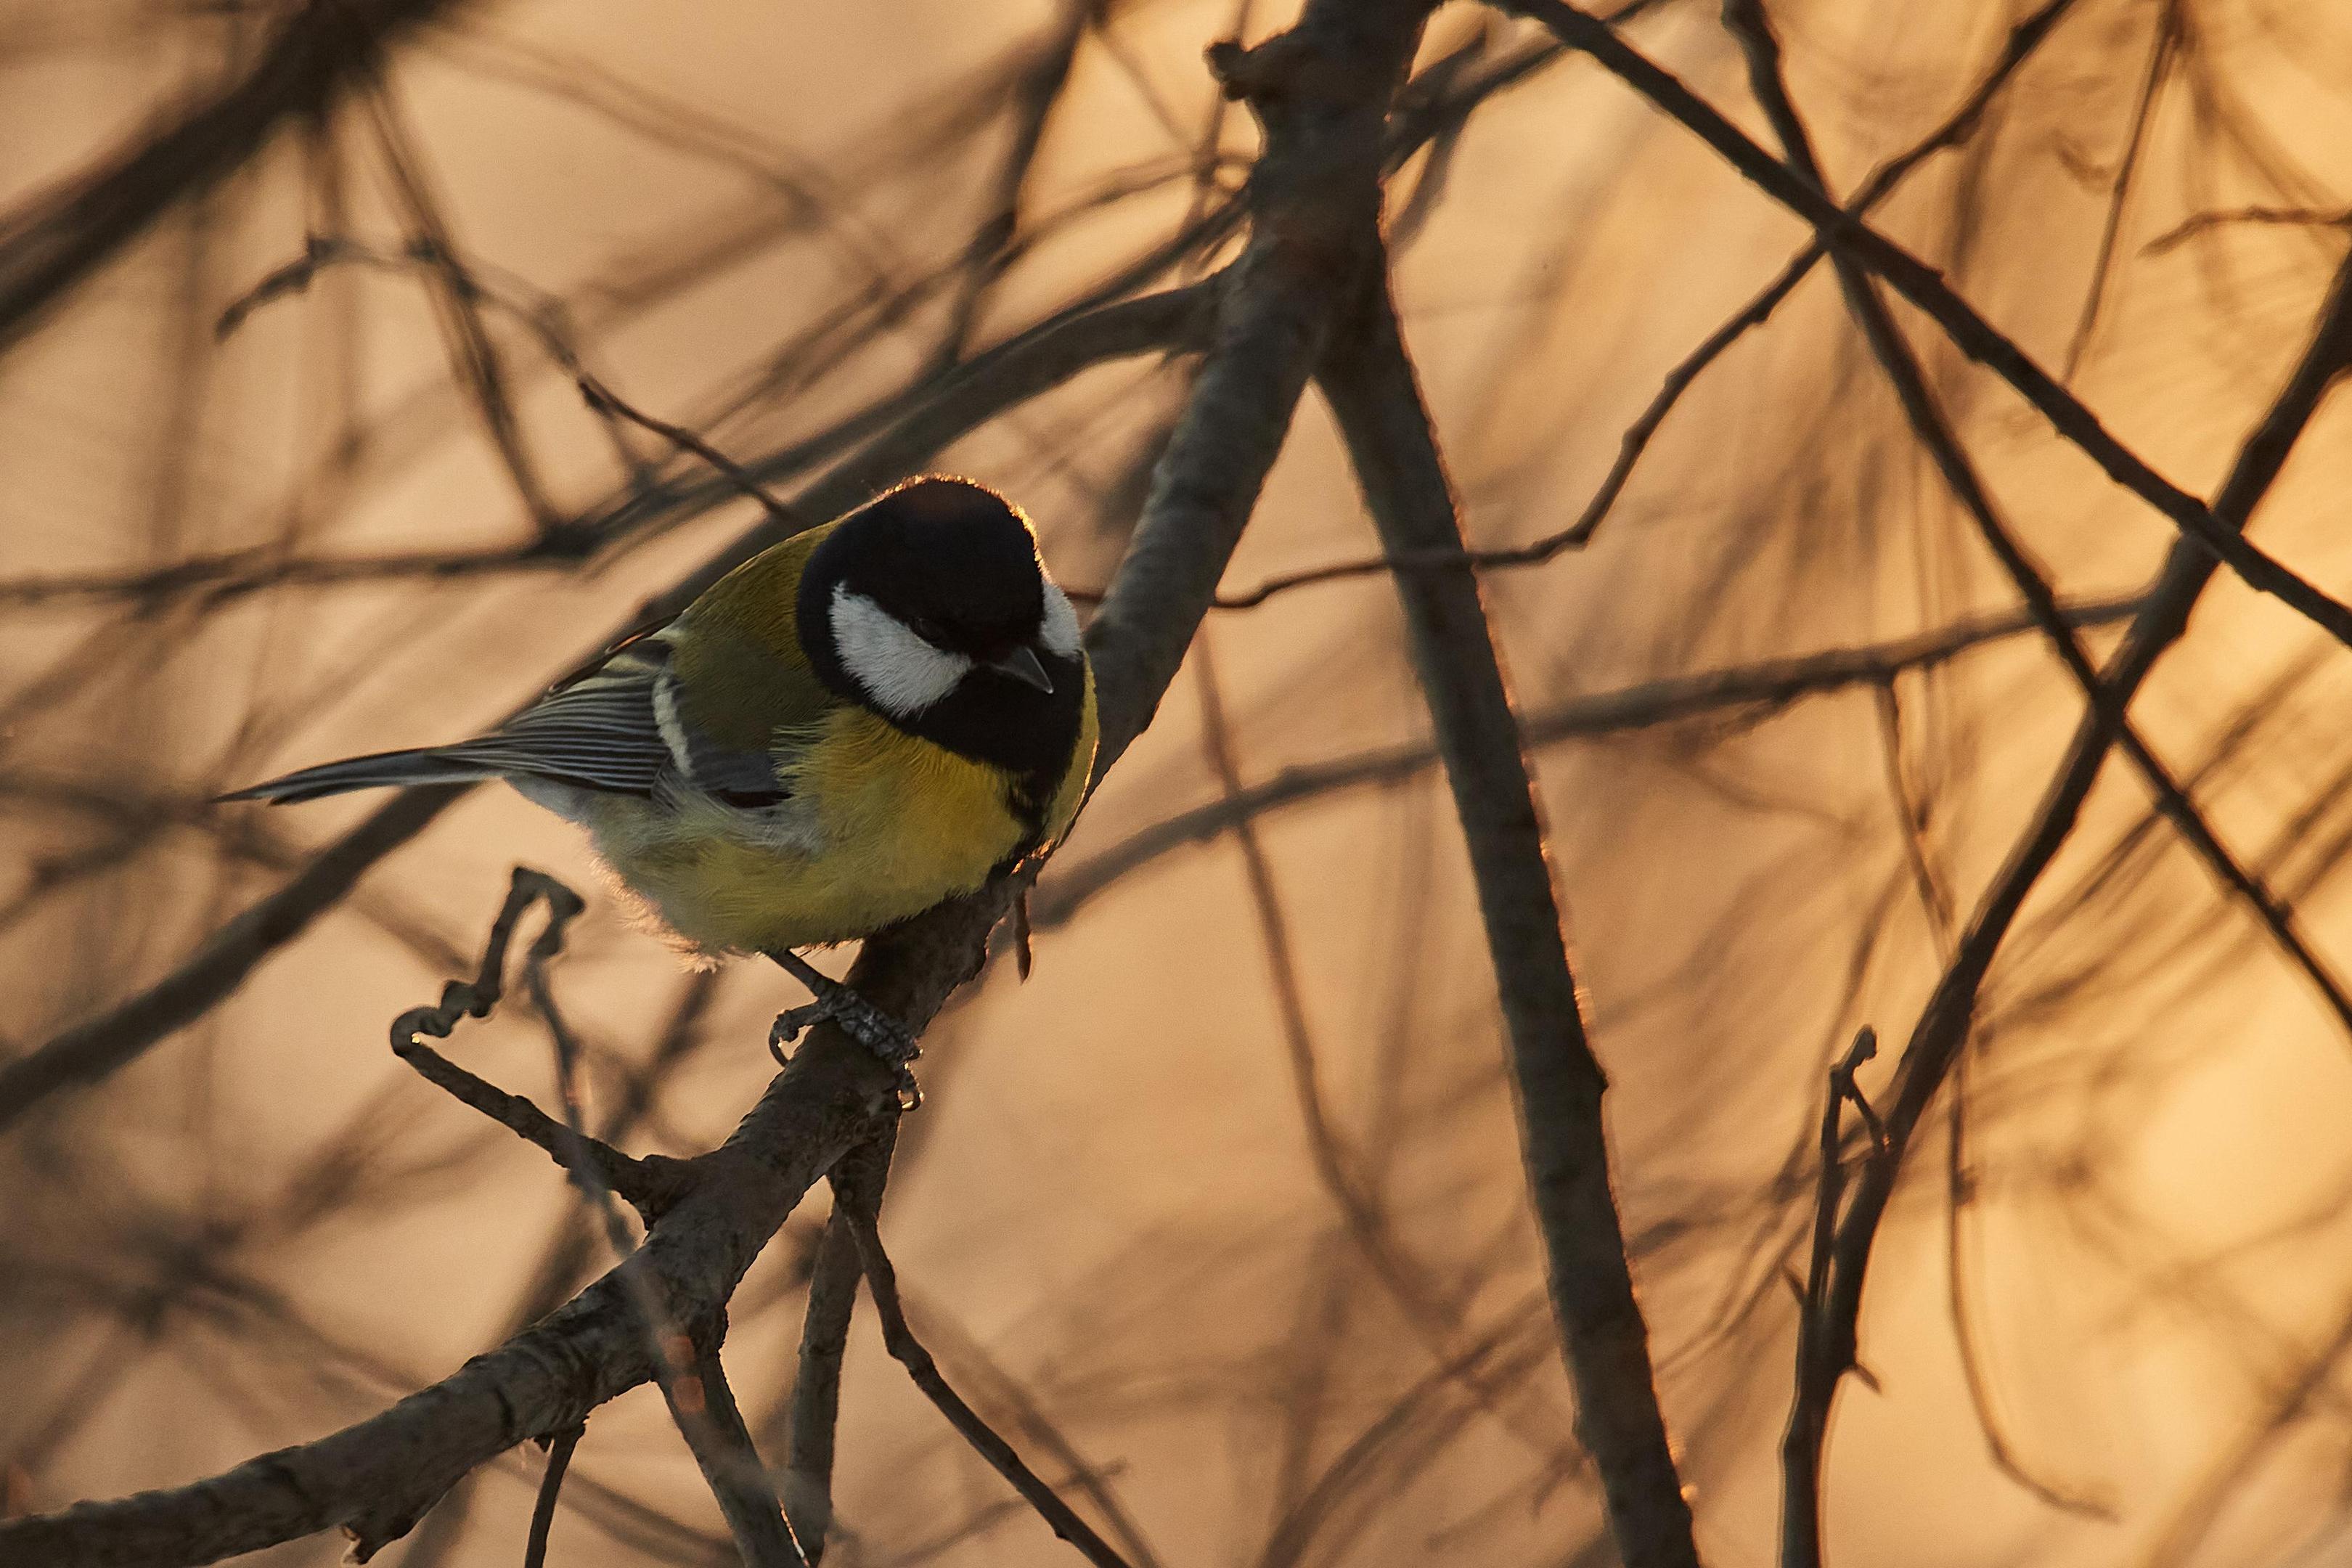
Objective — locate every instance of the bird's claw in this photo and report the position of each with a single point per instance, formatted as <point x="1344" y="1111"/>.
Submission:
<point x="863" y="1022"/>
<point x="788" y="1026"/>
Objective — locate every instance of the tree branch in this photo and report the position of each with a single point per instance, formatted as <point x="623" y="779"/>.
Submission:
<point x="1368" y="379"/>
<point x="856" y="1186"/>
<point x="1748" y="22"/>
<point x="1825" y="1347"/>
<point x="551" y="1486"/>
<point x="1017" y="371"/>
<point x="816" y="1386"/>
<point x="1943" y="1024"/>
<point x="713" y="1426"/>
<point x="1920" y="284"/>
<point x="648" y="1185"/>
<point x="692" y="1380"/>
<point x="1322" y="89"/>
<point x="1767" y="685"/>
<point x="60" y="236"/>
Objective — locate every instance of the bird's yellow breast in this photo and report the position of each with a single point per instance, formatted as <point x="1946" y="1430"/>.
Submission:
<point x="880" y="826"/>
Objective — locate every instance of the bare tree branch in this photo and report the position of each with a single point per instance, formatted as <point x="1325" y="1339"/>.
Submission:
<point x="1943" y="1024"/>
<point x="647" y="1185"/>
<point x="816" y="1387"/>
<point x="705" y="1409"/>
<point x="1748" y="22"/>
<point x="58" y="237"/>
<point x="1025" y="1413"/>
<point x="855" y="1186"/>
<point x="1923" y="287"/>
<point x="692" y="1380"/>
<point x="1817" y="1326"/>
<point x="2162" y="53"/>
<point x="1069" y="884"/>
<point x="1368" y="381"/>
<point x="1321" y="90"/>
<point x="2280" y="217"/>
<point x="1006" y="376"/>
<point x="551" y="1486"/>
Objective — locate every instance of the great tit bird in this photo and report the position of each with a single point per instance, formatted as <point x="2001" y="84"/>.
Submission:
<point x="869" y="718"/>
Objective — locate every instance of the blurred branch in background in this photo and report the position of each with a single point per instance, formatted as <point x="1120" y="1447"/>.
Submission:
<point x="323" y="50"/>
<point x="1223" y="1258"/>
<point x="1841" y="232"/>
<point x="1317" y="199"/>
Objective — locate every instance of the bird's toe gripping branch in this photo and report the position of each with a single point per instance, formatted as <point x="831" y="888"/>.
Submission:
<point x="860" y="1019"/>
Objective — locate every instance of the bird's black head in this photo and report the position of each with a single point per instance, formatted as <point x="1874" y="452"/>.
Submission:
<point x="930" y="606"/>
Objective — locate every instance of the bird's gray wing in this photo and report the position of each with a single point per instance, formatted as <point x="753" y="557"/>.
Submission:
<point x="612" y="727"/>
<point x="615" y="726"/>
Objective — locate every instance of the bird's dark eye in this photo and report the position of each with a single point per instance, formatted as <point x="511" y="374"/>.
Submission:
<point x="929" y="631"/>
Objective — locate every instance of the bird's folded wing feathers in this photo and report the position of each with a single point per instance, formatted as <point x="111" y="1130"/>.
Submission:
<point x="620" y="726"/>
<point x="601" y="734"/>
<point x="705" y="702"/>
<point x="628" y="723"/>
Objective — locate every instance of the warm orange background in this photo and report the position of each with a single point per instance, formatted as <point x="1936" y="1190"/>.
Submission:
<point x="1107" y="1214"/>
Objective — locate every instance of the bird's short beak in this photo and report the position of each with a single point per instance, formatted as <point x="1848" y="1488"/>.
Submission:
<point x="1021" y="665"/>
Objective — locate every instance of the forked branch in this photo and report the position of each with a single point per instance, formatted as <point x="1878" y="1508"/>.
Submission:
<point x="1844" y="234"/>
<point x="1317" y="186"/>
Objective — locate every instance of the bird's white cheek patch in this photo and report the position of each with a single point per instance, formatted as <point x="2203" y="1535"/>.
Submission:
<point x="1059" y="628"/>
<point x="899" y="671"/>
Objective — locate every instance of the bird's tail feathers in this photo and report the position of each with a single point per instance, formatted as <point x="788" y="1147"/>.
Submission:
<point x="383" y="770"/>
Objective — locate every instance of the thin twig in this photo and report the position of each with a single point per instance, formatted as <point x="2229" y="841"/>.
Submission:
<point x="1935" y="901"/>
<point x="856" y="1199"/>
<point x="542" y="1513"/>
<point x="1925" y="288"/>
<point x="816" y="1386"/>
<point x="1020" y="369"/>
<point x="687" y="1368"/>
<point x="1943" y="1024"/>
<point x="1825" y="1351"/>
<point x="2162" y="53"/>
<point x="649" y="1185"/>
<point x="1025" y="1414"/>
<point x="2283" y="217"/>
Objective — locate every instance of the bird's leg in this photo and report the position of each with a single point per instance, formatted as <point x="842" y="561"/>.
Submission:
<point x="860" y="1019"/>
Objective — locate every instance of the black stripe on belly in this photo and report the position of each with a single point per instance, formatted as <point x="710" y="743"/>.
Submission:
<point x="1029" y="796"/>
<point x="1028" y="734"/>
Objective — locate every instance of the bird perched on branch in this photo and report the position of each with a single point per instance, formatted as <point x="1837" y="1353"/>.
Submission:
<point x="857" y="723"/>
